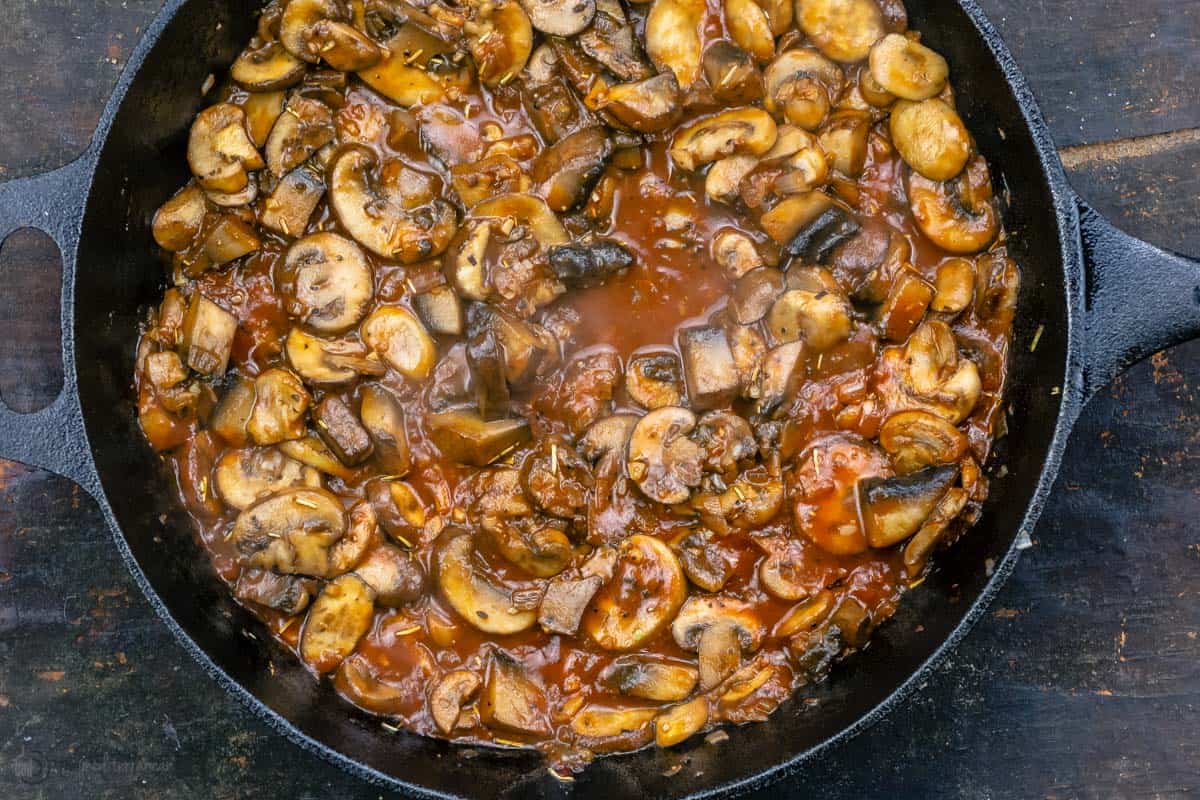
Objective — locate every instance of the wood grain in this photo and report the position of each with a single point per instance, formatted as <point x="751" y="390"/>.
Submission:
<point x="1083" y="681"/>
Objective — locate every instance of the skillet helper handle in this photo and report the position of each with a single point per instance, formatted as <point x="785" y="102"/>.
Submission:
<point x="1138" y="299"/>
<point x="54" y="437"/>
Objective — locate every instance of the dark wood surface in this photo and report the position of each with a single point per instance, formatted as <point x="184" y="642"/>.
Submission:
<point x="1083" y="680"/>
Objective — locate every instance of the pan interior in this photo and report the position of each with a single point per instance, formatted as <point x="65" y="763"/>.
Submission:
<point x="119" y="277"/>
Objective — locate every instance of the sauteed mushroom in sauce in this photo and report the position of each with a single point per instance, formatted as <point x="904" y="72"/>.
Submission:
<point x="579" y="374"/>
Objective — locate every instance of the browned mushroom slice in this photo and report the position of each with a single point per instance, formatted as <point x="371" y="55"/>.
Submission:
<point x="954" y="285"/>
<point x="384" y="421"/>
<point x="732" y="74"/>
<point x="560" y="17"/>
<point x="243" y="477"/>
<point x="471" y="593"/>
<point x="262" y="109"/>
<point x="342" y="431"/>
<point x="400" y="510"/>
<point x="843" y="30"/>
<point x="802" y="85"/>
<point x="590" y="264"/>
<point x="556" y="479"/>
<point x="725" y="176"/>
<point x="704" y="560"/>
<point x="754" y="293"/>
<point x="780" y="376"/>
<point x="650" y="678"/>
<point x="467" y="438"/>
<point x="304" y="127"/>
<point x="312" y="30"/>
<point x="279" y="408"/>
<point x="672" y="38"/>
<point x="749" y="131"/>
<point x="934" y="530"/>
<point x="749" y="27"/>
<point x="449" y="695"/>
<point x="930" y="137"/>
<point x="907" y="69"/>
<point x="326" y="283"/>
<point x="611" y="41"/>
<point x="207" y="338"/>
<point x="340" y="616"/>
<point x="229" y="240"/>
<point x="511" y="701"/>
<point x="843" y="138"/>
<point x="403" y="75"/>
<point x="312" y="451"/>
<point x="503" y="42"/>
<point x="401" y="340"/>
<point x="654" y="380"/>
<point x="650" y="105"/>
<point x="917" y="439"/>
<point x="821" y="319"/>
<point x="394" y="575"/>
<point x="329" y="362"/>
<point x="852" y="621"/>
<point x="709" y="370"/>
<point x="906" y="304"/>
<point x="726" y="440"/>
<point x="736" y="253"/>
<point x="298" y="531"/>
<point x="480" y="180"/>
<point x="287" y="594"/>
<point x="564" y="602"/>
<point x="266" y="66"/>
<point x="565" y="172"/>
<point x="292" y="202"/>
<point x="178" y="221"/>
<point x="233" y="412"/>
<point x="893" y="509"/>
<point x="607" y="436"/>
<point x="662" y="460"/>
<point x="441" y="310"/>
<point x="393" y="210"/>
<point x="720" y="629"/>
<point x="645" y="593"/>
<point x="600" y="723"/>
<point x="957" y="215"/>
<point x="679" y="722"/>
<point x="219" y="149"/>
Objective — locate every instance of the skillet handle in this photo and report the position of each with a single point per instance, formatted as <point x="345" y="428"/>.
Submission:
<point x="53" y="438"/>
<point x="1138" y="299"/>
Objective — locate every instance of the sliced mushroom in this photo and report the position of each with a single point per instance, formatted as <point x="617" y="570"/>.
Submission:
<point x="927" y="373"/>
<point x="893" y="509"/>
<point x="560" y="17"/>
<point x="804" y="615"/>
<point x="650" y="678"/>
<point x="585" y="265"/>
<point x="503" y="43"/>
<point x="822" y="490"/>
<point x="607" y="436"/>
<point x="220" y="150"/>
<point x="611" y="42"/>
<point x="534" y="542"/>
<point x="312" y="30"/>
<point x="564" y="602"/>
<point x="736" y="253"/>
<point x="303" y="128"/>
<point x="566" y="171"/>
<point x="788" y="575"/>
<point x="720" y="629"/>
<point x="262" y="110"/>
<point x="471" y="593"/>
<point x="727" y="441"/>
<point x="511" y="700"/>
<point x="672" y="37"/>
<point x="525" y="347"/>
<point x="394" y="576"/>
<point x="650" y="105"/>
<point x="340" y="616"/>
<point x="843" y="138"/>
<point x="403" y="75"/>
<point x="679" y="722"/>
<point x="279" y="408"/>
<point x="310" y="450"/>
<point x="266" y="66"/>
<point x="916" y="552"/>
<point x="599" y="722"/>
<point x="732" y="74"/>
<point x="779" y="378"/>
<point x="749" y="131"/>
<point x="821" y="319"/>
<point x="843" y="30"/>
<point x="930" y="137"/>
<point x="801" y="85"/>
<point x="178" y="221"/>
<point x="754" y="293"/>
<point x="392" y="210"/>
<point x="230" y="417"/>
<point x="958" y="215"/>
<point x="292" y="202"/>
<point x="383" y="418"/>
<point x="907" y="69"/>
<point x="556" y="479"/>
<point x="342" y="431"/>
<point x="811" y="225"/>
<point x="441" y="310"/>
<point x="749" y="27"/>
<point x="480" y="180"/>
<point x="229" y="240"/>
<point x="326" y="283"/>
<point x="654" y="380"/>
<point x="646" y="591"/>
<point x="725" y="176"/>
<point x="329" y="362"/>
<point x="285" y="593"/>
<point x="906" y="304"/>
<point x="207" y="336"/>
<point x="704" y="560"/>
<point x="955" y="286"/>
<point x="243" y="477"/>
<point x="748" y="347"/>
<point x="293" y="531"/>
<point x="401" y="340"/>
<point x="662" y="460"/>
<point x="467" y="438"/>
<point x="709" y="370"/>
<point x="449" y="695"/>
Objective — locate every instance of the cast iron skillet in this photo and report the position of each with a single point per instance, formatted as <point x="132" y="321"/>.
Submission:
<point x="1103" y="299"/>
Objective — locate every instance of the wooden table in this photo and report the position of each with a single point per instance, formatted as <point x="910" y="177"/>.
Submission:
<point x="1083" y="681"/>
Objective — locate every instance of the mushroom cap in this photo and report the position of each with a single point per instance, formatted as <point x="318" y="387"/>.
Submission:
<point x="469" y="592"/>
<point x="702" y="612"/>
<point x="662" y="460"/>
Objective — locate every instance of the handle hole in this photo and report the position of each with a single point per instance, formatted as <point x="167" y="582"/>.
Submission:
<point x="31" y="373"/>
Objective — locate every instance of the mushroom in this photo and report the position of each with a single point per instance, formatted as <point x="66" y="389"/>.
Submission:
<point x="749" y="27"/>
<point x="907" y="68"/>
<point x="672" y="37"/>
<point x="934" y="529"/>
<point x="654" y="380"/>
<point x="394" y="576"/>
<point x="262" y="109"/>
<point x="562" y="605"/>
<point x="928" y="374"/>
<point x="748" y="347"/>
<point x="645" y="593"/>
<point x="787" y="573"/>
<point x="822" y="491"/>
<point x="342" y="431"/>
<point x="511" y="701"/>
<point x="292" y="202"/>
<point x="843" y="138"/>
<point x="230" y="417"/>
<point x="229" y="240"/>
<point x="735" y="252"/>
<point x="329" y="362"/>
<point x="704" y="560"/>
<point x="679" y="722"/>
<point x="779" y="377"/>
<point x="719" y="628"/>
<point x="178" y="222"/>
<point x="383" y="419"/>
<point x="321" y="29"/>
<point x="533" y="542"/>
<point x="441" y="310"/>
<point x="326" y="283"/>
<point x="392" y="209"/>
<point x="801" y="85"/>
<point x="340" y="616"/>
<point x="709" y="370"/>
<point x="732" y="74"/>
<point x="556" y="479"/>
<point x="279" y="407"/>
<point x="300" y="531"/>
<point x="566" y="171"/>
<point x="560" y="17"/>
<point x="266" y="66"/>
<point x="467" y="438"/>
<point x="754" y="293"/>
<point x="649" y="678"/>
<point x="600" y="722"/>
<point x="401" y="340"/>
<point x="957" y="215"/>
<point x="821" y="319"/>
<point x="725" y="176"/>
<point x="525" y="347"/>
<point x="611" y="43"/>
<point x="607" y="436"/>
<point x="906" y="304"/>
<point x="662" y="460"/>
<point x="304" y="127"/>
<point x="449" y="695"/>
<point x="310" y="450"/>
<point x="843" y="30"/>
<point x="404" y="75"/>
<point x="499" y="173"/>
<point x="286" y="594"/>
<point x="650" y="105"/>
<point x="804" y="615"/>
<point x="727" y="441"/>
<point x="581" y="266"/>
<point x="810" y="225"/>
<point x="243" y="477"/>
<point x="954" y="286"/>
<point x="893" y="509"/>
<point x="471" y="593"/>
<point x="207" y="336"/>
<point x="930" y="137"/>
<point x="219" y="149"/>
<point x="501" y="40"/>
<point x="749" y="131"/>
